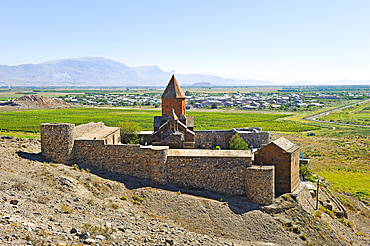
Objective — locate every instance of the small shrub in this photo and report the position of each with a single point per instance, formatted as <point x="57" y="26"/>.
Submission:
<point x="237" y="143"/>
<point x="296" y="230"/>
<point x="74" y="167"/>
<point x="115" y="206"/>
<point x="303" y="237"/>
<point x="137" y="199"/>
<point x="361" y="234"/>
<point x="330" y="213"/>
<point x="66" y="209"/>
<point x="286" y="197"/>
<point x="178" y="192"/>
<point x="318" y="213"/>
<point x="305" y="170"/>
<point x="124" y="198"/>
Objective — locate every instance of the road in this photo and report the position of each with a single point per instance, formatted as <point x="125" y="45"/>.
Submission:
<point x="315" y="116"/>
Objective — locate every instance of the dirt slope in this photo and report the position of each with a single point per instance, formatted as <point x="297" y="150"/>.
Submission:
<point x="46" y="203"/>
<point x="35" y="101"/>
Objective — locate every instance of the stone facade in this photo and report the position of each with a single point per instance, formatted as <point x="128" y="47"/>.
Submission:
<point x="253" y="136"/>
<point x="284" y="155"/>
<point x="57" y="141"/>
<point x="145" y="162"/>
<point x="260" y="187"/>
<point x="218" y="171"/>
<point x="209" y="139"/>
<point x="224" y="171"/>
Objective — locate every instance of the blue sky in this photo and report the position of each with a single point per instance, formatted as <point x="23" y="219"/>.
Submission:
<point x="229" y="38"/>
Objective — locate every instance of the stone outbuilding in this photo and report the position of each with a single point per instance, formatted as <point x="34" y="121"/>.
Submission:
<point x="284" y="155"/>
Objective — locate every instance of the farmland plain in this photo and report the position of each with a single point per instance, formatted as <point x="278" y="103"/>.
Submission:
<point x="29" y="121"/>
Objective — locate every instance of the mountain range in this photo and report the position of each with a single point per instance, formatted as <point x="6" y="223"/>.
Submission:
<point x="97" y="71"/>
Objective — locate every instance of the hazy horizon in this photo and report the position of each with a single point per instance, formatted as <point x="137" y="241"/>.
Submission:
<point x="239" y="39"/>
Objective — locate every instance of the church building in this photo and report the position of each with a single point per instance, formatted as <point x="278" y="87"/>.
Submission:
<point x="173" y="128"/>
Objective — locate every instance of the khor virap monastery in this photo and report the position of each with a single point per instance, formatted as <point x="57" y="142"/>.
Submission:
<point x="177" y="154"/>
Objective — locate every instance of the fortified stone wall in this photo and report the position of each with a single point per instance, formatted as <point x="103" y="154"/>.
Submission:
<point x="145" y="162"/>
<point x="218" y="171"/>
<point x="224" y="171"/>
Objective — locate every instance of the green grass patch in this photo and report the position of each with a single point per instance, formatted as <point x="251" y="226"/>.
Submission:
<point x="348" y="181"/>
<point x="29" y="121"/>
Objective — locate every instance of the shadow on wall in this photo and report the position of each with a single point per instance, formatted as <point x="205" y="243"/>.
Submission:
<point x="238" y="204"/>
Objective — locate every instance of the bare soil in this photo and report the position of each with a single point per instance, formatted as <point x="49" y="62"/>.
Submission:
<point x="34" y="102"/>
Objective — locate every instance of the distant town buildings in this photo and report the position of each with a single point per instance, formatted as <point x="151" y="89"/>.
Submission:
<point x="243" y="101"/>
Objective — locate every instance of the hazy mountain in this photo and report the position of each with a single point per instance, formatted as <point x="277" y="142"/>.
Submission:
<point x="97" y="71"/>
<point x="202" y="84"/>
<point x="94" y="71"/>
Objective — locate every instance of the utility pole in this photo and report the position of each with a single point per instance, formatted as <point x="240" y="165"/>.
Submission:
<point x="317" y="194"/>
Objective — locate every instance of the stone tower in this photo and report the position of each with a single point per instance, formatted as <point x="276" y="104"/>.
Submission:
<point x="173" y="98"/>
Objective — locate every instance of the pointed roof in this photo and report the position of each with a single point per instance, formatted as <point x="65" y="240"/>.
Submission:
<point x="173" y="89"/>
<point x="285" y="145"/>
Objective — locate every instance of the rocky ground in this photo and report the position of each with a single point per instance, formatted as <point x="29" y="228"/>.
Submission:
<point x="34" y="102"/>
<point x="45" y="203"/>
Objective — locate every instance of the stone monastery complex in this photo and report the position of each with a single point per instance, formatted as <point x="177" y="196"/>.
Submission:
<point x="179" y="155"/>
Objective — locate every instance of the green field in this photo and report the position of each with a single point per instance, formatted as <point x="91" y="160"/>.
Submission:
<point x="29" y="121"/>
<point x="359" y="115"/>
